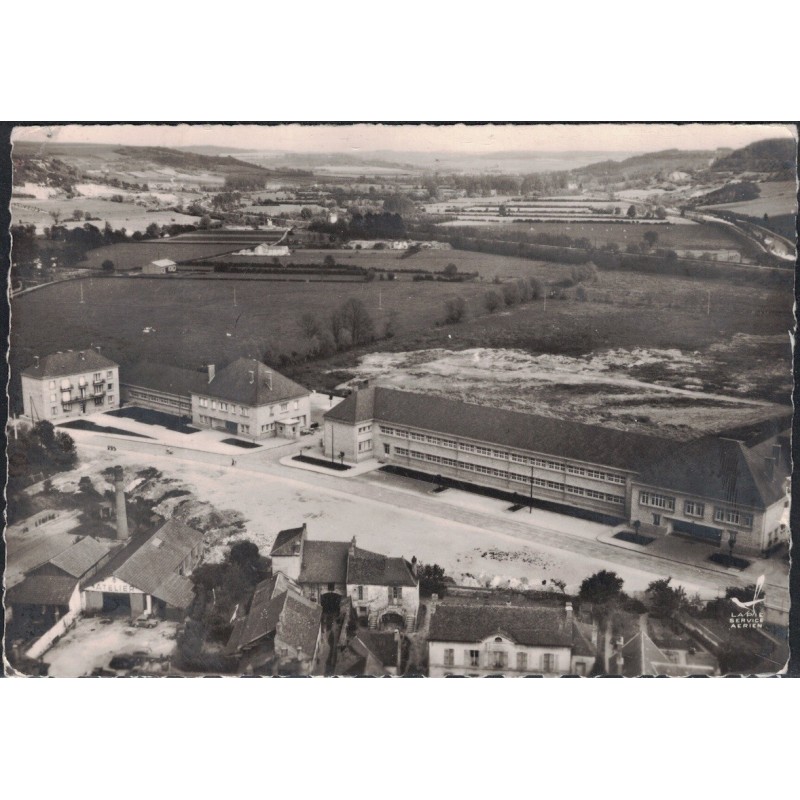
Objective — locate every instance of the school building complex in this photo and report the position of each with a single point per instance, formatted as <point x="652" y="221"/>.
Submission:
<point x="713" y="488"/>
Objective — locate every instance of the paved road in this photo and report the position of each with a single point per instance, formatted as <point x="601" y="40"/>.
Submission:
<point x="380" y="491"/>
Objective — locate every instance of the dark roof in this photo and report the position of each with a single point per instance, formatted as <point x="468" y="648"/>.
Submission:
<point x="234" y="383"/>
<point x="714" y="467"/>
<point x="164" y="378"/>
<point x="358" y="407"/>
<point x="286" y="614"/>
<point x="42" y="590"/>
<point x="582" y="639"/>
<point x="514" y="429"/>
<point x="382" y="644"/>
<point x="285" y="540"/>
<point x="151" y="563"/>
<point x="70" y="362"/>
<point x="373" y="569"/>
<point x="324" y="562"/>
<point x="81" y="556"/>
<point x="642" y="657"/>
<point x="528" y="625"/>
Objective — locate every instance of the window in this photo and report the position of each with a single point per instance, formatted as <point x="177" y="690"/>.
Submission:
<point x="387" y="450"/>
<point x="213" y="405"/>
<point x="202" y="402"/>
<point x="110" y="374"/>
<point x="98" y="376"/>
<point x="389" y="431"/>
<point x="111" y="399"/>
<point x="576" y="470"/>
<point x="331" y="587"/>
<point x="245" y="412"/>
<point x="693" y="509"/>
<point x="284" y="406"/>
<point x="244" y="428"/>
<point x="54" y="410"/>
<point x="365" y="446"/>
<point x="360" y="592"/>
<point x="53" y="397"/>
<point x="548" y="662"/>
<point x="733" y="517"/>
<point x="223" y="406"/>
<point x="296" y="404"/>
<point x="52" y="384"/>
<point x="522" y="661"/>
<point x="110" y="387"/>
<point x="395" y="593"/>
<point x="657" y="500"/>
<point x="272" y="411"/>
<point x="449" y="657"/>
<point x="98" y="401"/>
<point x="474" y="657"/>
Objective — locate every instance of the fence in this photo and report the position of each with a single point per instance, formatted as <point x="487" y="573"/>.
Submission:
<point x="44" y="643"/>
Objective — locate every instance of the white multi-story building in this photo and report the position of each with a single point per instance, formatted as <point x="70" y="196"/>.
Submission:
<point x="248" y="399"/>
<point x="71" y="384"/>
<point x="713" y="488"/>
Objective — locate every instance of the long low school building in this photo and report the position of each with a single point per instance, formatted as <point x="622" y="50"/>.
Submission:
<point x="708" y="488"/>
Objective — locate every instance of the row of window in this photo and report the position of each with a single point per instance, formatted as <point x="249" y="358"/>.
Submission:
<point x="82" y="380"/>
<point x="270" y="426"/>
<point x="516" y="458"/>
<point x="155" y="398"/>
<point x="514" y="476"/>
<point x="395" y="593"/>
<point x="243" y="411"/>
<point x="498" y="659"/>
<point x="66" y="405"/>
<point x="362" y="429"/>
<point x="693" y="508"/>
<point x="365" y="446"/>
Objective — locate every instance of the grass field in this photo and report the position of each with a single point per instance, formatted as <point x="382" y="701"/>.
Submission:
<point x="130" y="255"/>
<point x="193" y="318"/>
<point x="130" y="216"/>
<point x="623" y="233"/>
<point x="777" y="198"/>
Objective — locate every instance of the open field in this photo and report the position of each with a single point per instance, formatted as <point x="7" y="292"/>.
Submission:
<point x="622" y="233"/>
<point x="126" y="215"/>
<point x="778" y="198"/>
<point x="196" y="321"/>
<point x="132" y="255"/>
<point x="486" y="265"/>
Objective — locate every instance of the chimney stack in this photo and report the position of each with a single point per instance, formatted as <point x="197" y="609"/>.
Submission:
<point x="212" y="371"/>
<point x="36" y="362"/>
<point x="82" y="355"/>
<point x="122" y="513"/>
<point x="352" y="549"/>
<point x="269" y="380"/>
<point x="568" y="610"/>
<point x="252" y="376"/>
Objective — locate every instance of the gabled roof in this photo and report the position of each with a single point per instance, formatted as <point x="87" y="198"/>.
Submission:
<point x="286" y="540"/>
<point x="151" y="564"/>
<point x="380" y="646"/>
<point x="358" y="407"/>
<point x="70" y="362"/>
<point x="527" y="625"/>
<point x="582" y="639"/>
<point x="373" y="569"/>
<point x="251" y="383"/>
<point x="42" y="590"/>
<point x="164" y="378"/>
<point x="712" y="466"/>
<point x="286" y="614"/>
<point x="324" y="562"/>
<point x="82" y="555"/>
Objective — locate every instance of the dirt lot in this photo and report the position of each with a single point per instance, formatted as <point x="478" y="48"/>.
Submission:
<point x="611" y="388"/>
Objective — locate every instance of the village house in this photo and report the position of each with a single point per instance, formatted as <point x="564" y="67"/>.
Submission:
<point x="280" y="633"/>
<point x="478" y="636"/>
<point x="383" y="590"/>
<point x="641" y="655"/>
<point x="71" y="384"/>
<point x="369" y="652"/>
<point x="249" y="399"/>
<point x="148" y="575"/>
<point x="713" y="488"/>
<point x="160" y="267"/>
<point x="52" y="590"/>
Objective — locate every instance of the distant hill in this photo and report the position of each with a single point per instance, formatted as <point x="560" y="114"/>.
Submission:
<point x="646" y="164"/>
<point x="778" y="157"/>
<point x="188" y="161"/>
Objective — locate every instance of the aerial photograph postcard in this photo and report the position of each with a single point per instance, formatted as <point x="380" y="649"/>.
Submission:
<point x="341" y="400"/>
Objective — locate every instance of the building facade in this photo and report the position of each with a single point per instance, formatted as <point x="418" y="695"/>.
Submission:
<point x="707" y="489"/>
<point x="161" y="387"/>
<point x="248" y="399"/>
<point x="71" y="384"/>
<point x="481" y="638"/>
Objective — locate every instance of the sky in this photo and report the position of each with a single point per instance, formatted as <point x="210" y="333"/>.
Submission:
<point x="419" y="138"/>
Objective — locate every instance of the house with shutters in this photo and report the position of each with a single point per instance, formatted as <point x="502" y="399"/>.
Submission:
<point x="384" y="590"/>
<point x="75" y="383"/>
<point x="478" y="636"/>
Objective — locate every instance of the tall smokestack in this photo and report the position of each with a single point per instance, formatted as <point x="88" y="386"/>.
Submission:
<point x="122" y="513"/>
